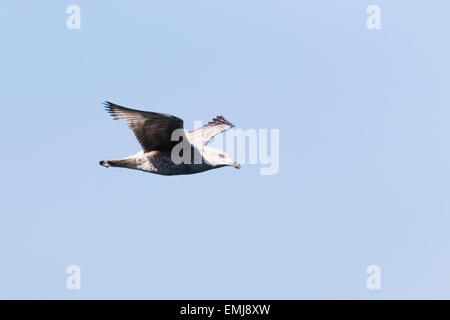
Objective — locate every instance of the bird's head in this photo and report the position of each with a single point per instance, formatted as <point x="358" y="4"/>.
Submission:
<point x="218" y="158"/>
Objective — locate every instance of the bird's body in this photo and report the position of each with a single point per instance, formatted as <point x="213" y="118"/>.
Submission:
<point x="157" y="162"/>
<point x="155" y="132"/>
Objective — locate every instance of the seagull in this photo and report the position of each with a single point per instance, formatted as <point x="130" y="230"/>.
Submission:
<point x="154" y="132"/>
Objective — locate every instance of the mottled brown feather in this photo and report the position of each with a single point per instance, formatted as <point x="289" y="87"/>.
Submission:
<point x="153" y="130"/>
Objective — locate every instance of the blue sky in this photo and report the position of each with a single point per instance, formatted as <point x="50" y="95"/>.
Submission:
<point x="364" y="150"/>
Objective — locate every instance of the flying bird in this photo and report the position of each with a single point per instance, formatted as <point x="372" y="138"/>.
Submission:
<point x="154" y="132"/>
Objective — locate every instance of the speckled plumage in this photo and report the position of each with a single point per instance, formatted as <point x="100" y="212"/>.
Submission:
<point x="154" y="131"/>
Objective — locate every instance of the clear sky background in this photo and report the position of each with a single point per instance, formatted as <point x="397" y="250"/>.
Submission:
<point x="364" y="150"/>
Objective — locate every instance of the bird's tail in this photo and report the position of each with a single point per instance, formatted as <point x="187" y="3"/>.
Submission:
<point x="124" y="163"/>
<point x="105" y="163"/>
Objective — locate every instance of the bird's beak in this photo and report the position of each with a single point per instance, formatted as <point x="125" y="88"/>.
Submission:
<point x="236" y="165"/>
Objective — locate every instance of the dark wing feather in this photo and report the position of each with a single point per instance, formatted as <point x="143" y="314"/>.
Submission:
<point x="204" y="134"/>
<point x="152" y="130"/>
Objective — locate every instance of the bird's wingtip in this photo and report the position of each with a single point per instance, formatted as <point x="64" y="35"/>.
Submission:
<point x="221" y="120"/>
<point x="109" y="107"/>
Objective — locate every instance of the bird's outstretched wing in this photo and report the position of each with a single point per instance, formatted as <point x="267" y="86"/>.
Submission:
<point x="204" y="134"/>
<point x="152" y="130"/>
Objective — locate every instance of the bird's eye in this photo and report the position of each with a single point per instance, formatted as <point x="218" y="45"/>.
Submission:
<point x="222" y="155"/>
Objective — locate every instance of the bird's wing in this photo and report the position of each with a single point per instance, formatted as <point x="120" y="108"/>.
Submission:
<point x="204" y="134"/>
<point x="152" y="130"/>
